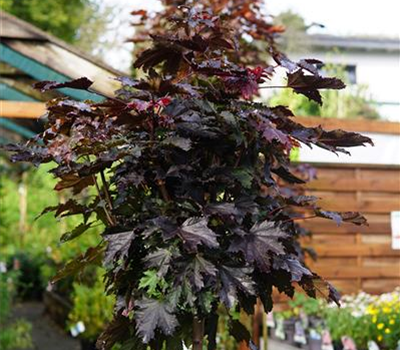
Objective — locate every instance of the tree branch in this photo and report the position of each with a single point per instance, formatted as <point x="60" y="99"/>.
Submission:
<point x="106" y="192"/>
<point x="198" y="333"/>
<point x="110" y="218"/>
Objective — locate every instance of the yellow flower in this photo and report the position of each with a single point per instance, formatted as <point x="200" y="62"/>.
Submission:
<point x="380" y="338"/>
<point x="387" y="330"/>
<point x="371" y="310"/>
<point x="380" y="326"/>
<point x="374" y="319"/>
<point x="386" y="310"/>
<point x="391" y="321"/>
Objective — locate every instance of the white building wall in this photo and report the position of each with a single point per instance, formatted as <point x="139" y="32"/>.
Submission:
<point x="380" y="71"/>
<point x="384" y="152"/>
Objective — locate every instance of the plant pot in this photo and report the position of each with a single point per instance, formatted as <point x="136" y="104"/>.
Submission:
<point x="314" y="344"/>
<point x="57" y="307"/>
<point x="272" y="335"/>
<point x="88" y="344"/>
<point x="289" y="334"/>
<point x="337" y="345"/>
<point x="288" y="326"/>
<point x="314" y="322"/>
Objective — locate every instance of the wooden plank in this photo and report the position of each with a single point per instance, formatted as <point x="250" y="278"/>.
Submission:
<point x="9" y="93"/>
<point x="357" y="125"/>
<point x="383" y="174"/>
<point x="321" y="226"/>
<point x="380" y="261"/>
<point x="12" y="27"/>
<point x="7" y="70"/>
<point x="339" y="202"/>
<point x="352" y="272"/>
<point x="345" y="286"/>
<point x="68" y="64"/>
<point x="381" y="285"/>
<point x="25" y="86"/>
<point x="340" y="184"/>
<point x="328" y="262"/>
<point x="40" y="71"/>
<point x="14" y="109"/>
<point x="333" y="239"/>
<point x="376" y="239"/>
<point x="328" y="250"/>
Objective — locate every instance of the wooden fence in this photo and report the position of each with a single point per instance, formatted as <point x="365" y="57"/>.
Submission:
<point x="353" y="257"/>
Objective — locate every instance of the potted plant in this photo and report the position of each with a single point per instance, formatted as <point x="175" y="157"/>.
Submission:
<point x="188" y="174"/>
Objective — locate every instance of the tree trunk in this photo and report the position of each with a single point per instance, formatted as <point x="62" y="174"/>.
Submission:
<point x="198" y="333"/>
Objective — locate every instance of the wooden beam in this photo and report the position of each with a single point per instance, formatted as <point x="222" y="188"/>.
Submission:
<point x="66" y="63"/>
<point x="365" y="250"/>
<point x="350" y="272"/>
<point x="9" y="93"/>
<point x="16" y="109"/>
<point x="11" y="27"/>
<point x="7" y="70"/>
<point x="351" y="185"/>
<point x="357" y="125"/>
<point x="40" y="71"/>
<point x="25" y="86"/>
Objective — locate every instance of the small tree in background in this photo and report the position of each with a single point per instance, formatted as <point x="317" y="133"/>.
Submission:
<point x="78" y="22"/>
<point x="189" y="173"/>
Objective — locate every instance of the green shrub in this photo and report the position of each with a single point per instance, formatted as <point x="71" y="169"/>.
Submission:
<point x="15" y="335"/>
<point x="92" y="307"/>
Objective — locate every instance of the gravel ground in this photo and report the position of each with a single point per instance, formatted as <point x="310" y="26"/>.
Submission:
<point x="46" y="335"/>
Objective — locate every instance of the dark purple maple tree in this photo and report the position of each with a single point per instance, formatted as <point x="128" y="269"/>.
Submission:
<point x="188" y="172"/>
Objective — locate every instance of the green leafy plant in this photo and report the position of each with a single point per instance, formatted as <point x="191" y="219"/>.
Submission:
<point x="91" y="306"/>
<point x="14" y="334"/>
<point x="365" y="317"/>
<point x="190" y="177"/>
<point x="310" y="306"/>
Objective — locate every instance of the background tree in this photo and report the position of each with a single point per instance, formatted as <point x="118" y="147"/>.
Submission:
<point x="79" y="22"/>
<point x="294" y="38"/>
<point x="191" y="177"/>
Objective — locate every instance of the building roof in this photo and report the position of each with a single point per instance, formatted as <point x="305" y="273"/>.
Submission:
<point x="354" y="43"/>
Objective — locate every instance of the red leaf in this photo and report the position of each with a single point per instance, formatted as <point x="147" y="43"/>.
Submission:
<point x="80" y="84"/>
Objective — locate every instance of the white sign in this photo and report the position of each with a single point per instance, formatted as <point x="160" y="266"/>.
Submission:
<point x="395" y="220"/>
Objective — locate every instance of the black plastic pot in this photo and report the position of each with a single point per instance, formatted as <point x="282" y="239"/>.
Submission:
<point x="57" y="307"/>
<point x="88" y="344"/>
<point x="314" y="322"/>
<point x="314" y="344"/>
<point x="288" y="326"/>
<point x="272" y="334"/>
<point x="337" y="345"/>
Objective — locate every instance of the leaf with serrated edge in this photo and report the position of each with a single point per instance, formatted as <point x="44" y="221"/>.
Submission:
<point x="153" y="314"/>
<point x="258" y="244"/>
<point x="194" y="231"/>
<point x="118" y="245"/>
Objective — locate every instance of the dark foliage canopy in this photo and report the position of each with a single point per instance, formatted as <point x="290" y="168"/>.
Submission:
<point x="194" y="182"/>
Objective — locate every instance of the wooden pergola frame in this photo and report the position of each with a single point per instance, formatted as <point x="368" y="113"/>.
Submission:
<point x="33" y="110"/>
<point x="18" y="109"/>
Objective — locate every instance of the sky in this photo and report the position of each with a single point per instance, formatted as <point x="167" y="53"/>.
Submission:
<point x="340" y="17"/>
